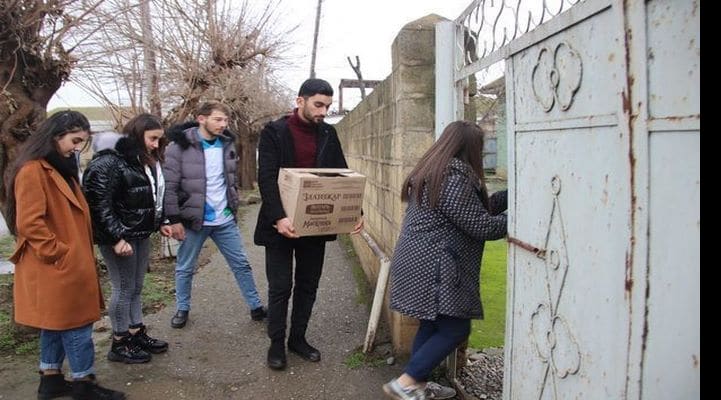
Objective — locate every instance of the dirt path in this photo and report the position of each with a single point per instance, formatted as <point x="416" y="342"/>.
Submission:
<point x="221" y="353"/>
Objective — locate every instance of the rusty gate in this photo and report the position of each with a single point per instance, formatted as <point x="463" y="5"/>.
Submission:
<point x="603" y="125"/>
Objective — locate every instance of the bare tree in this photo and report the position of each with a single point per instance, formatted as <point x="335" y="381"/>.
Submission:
<point x="229" y="60"/>
<point x="212" y="49"/>
<point x="149" y="56"/>
<point x="35" y="59"/>
<point x="150" y="65"/>
<point x="357" y="70"/>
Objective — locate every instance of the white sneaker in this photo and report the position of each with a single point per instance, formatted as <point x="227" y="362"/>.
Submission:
<point x="438" y="392"/>
<point x="395" y="391"/>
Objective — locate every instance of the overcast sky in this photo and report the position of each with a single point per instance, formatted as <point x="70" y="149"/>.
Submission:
<point x="365" y="28"/>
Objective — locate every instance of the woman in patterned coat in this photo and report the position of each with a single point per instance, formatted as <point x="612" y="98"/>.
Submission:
<point x="436" y="263"/>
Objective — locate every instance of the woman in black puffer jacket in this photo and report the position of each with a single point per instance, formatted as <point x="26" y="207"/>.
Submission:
<point x="124" y="187"/>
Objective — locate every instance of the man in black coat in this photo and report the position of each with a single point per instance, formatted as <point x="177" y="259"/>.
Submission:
<point x="299" y="140"/>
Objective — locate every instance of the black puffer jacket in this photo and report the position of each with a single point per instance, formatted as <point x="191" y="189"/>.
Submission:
<point x="119" y="194"/>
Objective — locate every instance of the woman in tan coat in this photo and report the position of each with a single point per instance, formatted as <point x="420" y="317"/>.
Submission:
<point x="56" y="283"/>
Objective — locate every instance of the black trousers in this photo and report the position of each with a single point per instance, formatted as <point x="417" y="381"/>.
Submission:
<point x="309" y="253"/>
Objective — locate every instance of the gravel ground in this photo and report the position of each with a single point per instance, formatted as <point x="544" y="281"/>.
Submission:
<point x="482" y="377"/>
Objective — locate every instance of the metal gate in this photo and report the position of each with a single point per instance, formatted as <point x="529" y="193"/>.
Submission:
<point x="603" y="124"/>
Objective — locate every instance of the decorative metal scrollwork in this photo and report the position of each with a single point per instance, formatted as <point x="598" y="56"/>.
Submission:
<point x="491" y="24"/>
<point x="550" y="333"/>
<point x="557" y="77"/>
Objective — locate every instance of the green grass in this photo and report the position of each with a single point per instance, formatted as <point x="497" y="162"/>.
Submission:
<point x="7" y="339"/>
<point x="157" y="293"/>
<point x="490" y="331"/>
<point x="358" y="359"/>
<point x="29" y="348"/>
<point x="7" y="246"/>
<point x="12" y="342"/>
<point x="364" y="291"/>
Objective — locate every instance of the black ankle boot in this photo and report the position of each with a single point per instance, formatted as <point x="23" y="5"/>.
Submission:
<point x="276" y="355"/>
<point x="258" y="314"/>
<point x="301" y="347"/>
<point x="52" y="386"/>
<point x="90" y="390"/>
<point x="127" y="351"/>
<point x="147" y="343"/>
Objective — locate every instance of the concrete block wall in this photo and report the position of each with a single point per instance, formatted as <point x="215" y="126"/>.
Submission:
<point x="383" y="138"/>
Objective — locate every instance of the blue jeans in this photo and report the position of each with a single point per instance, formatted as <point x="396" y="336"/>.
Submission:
<point x="76" y="343"/>
<point x="227" y="238"/>
<point x="433" y="342"/>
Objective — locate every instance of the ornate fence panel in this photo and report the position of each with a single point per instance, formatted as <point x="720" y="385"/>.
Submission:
<point x="603" y="122"/>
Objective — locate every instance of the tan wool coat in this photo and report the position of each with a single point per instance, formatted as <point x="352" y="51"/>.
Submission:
<point x="56" y="282"/>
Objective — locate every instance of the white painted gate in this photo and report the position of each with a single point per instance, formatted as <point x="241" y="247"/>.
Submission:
<point x="603" y="123"/>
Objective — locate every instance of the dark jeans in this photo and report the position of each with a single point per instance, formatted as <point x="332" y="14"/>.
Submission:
<point x="434" y="341"/>
<point x="309" y="254"/>
<point x="127" y="275"/>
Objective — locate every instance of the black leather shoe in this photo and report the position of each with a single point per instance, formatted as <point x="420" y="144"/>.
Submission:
<point x="276" y="356"/>
<point x="179" y="319"/>
<point x="304" y="350"/>
<point x="90" y="390"/>
<point x="258" y="314"/>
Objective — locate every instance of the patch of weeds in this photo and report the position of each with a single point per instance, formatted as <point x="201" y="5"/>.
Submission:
<point x="31" y="347"/>
<point x="157" y="292"/>
<point x="14" y="340"/>
<point x="7" y="339"/>
<point x="6" y="290"/>
<point x="358" y="359"/>
<point x="364" y="293"/>
<point x="7" y="246"/>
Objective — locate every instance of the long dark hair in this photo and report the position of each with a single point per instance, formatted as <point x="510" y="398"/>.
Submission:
<point x="460" y="139"/>
<point x="135" y="131"/>
<point x="39" y="145"/>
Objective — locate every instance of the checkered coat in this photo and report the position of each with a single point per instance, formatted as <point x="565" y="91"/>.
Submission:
<point x="437" y="260"/>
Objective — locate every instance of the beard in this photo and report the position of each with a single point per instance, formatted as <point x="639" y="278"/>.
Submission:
<point x="212" y="132"/>
<point x="310" y="118"/>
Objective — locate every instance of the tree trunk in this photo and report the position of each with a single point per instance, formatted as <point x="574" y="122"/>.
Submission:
<point x="151" y="69"/>
<point x="23" y="102"/>
<point x="247" y="145"/>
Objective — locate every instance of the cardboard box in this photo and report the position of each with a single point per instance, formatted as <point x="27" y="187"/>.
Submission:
<point x="321" y="201"/>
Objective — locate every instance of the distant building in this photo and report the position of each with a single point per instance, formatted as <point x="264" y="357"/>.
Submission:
<point x="491" y="111"/>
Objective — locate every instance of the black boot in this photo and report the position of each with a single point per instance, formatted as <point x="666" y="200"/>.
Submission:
<point x="90" y="390"/>
<point x="276" y="355"/>
<point x="258" y="314"/>
<point x="179" y="319"/>
<point x="125" y="350"/>
<point x="147" y="343"/>
<point x="52" y="386"/>
<point x="300" y="346"/>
